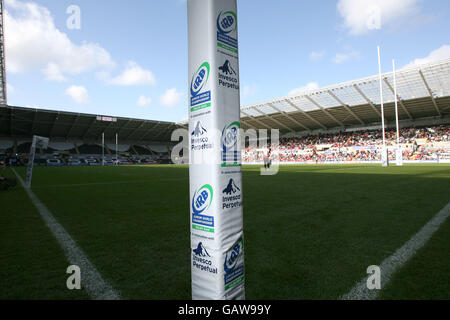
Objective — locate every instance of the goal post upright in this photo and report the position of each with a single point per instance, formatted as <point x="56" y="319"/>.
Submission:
<point x="384" y="152"/>
<point x="215" y="175"/>
<point x="398" y="150"/>
<point x="103" y="148"/>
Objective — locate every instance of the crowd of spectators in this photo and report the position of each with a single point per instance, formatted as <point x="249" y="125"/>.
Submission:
<point x="416" y="143"/>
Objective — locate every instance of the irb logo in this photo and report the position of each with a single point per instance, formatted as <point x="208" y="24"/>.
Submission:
<point x="231" y="155"/>
<point x="226" y="22"/>
<point x="232" y="256"/>
<point x="202" y="199"/>
<point x="230" y="135"/>
<point x="200" y="78"/>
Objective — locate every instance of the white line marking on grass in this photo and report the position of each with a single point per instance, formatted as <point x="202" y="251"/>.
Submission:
<point x="391" y="264"/>
<point x="91" y="279"/>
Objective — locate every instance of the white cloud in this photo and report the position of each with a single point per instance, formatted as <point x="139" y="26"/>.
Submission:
<point x="435" y="55"/>
<point x="134" y="75"/>
<point x="249" y="90"/>
<point x="33" y="43"/>
<point x="343" y="57"/>
<point x="309" y="87"/>
<point x="363" y="16"/>
<point x="144" y="101"/>
<point x="316" y="55"/>
<point x="170" y="98"/>
<point x="78" y="93"/>
<point x="53" y="72"/>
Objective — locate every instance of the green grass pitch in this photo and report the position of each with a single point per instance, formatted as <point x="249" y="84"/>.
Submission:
<point x="310" y="231"/>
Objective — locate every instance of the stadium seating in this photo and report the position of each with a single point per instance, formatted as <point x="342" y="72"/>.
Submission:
<point x="90" y="149"/>
<point x="418" y="144"/>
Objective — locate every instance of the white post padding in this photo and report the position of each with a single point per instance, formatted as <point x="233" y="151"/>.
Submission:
<point x="216" y="221"/>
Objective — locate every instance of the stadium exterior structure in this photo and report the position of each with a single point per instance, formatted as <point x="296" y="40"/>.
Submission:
<point x="60" y="126"/>
<point x="70" y="132"/>
<point x="423" y="99"/>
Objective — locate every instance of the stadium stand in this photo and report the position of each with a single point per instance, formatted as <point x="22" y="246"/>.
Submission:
<point x="90" y="149"/>
<point x="339" y="123"/>
<point x="76" y="139"/>
<point x="141" y="150"/>
<point x="418" y="144"/>
<point x="423" y="92"/>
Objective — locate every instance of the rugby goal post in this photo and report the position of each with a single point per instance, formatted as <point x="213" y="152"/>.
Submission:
<point x="216" y="223"/>
<point x="38" y="142"/>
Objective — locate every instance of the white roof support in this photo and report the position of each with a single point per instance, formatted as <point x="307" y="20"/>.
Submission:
<point x="163" y="132"/>
<point x="289" y="117"/>
<point x="273" y="119"/>
<point x="33" y="124"/>
<point x="72" y="126"/>
<point x="346" y="107"/>
<point x="248" y="124"/>
<point x="256" y="120"/>
<point x="398" y="99"/>
<point x="306" y="115"/>
<point x="89" y="128"/>
<point x="324" y="110"/>
<point x="134" y="131"/>
<point x="431" y="93"/>
<point x="54" y="125"/>
<point x="125" y="126"/>
<point x="149" y="131"/>
<point x="367" y="99"/>
<point x="145" y="134"/>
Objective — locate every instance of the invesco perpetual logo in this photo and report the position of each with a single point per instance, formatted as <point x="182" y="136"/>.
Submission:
<point x="230" y="135"/>
<point x="202" y="199"/>
<point x="200" y="78"/>
<point x="226" y="22"/>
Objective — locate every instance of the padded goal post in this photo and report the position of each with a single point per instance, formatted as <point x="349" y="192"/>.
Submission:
<point x="38" y="142"/>
<point x="216" y="222"/>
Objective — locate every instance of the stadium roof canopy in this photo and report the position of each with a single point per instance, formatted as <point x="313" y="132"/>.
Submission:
<point x="423" y="92"/>
<point x="18" y="122"/>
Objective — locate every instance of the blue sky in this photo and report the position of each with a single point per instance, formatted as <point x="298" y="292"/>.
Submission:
<point x="130" y="58"/>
